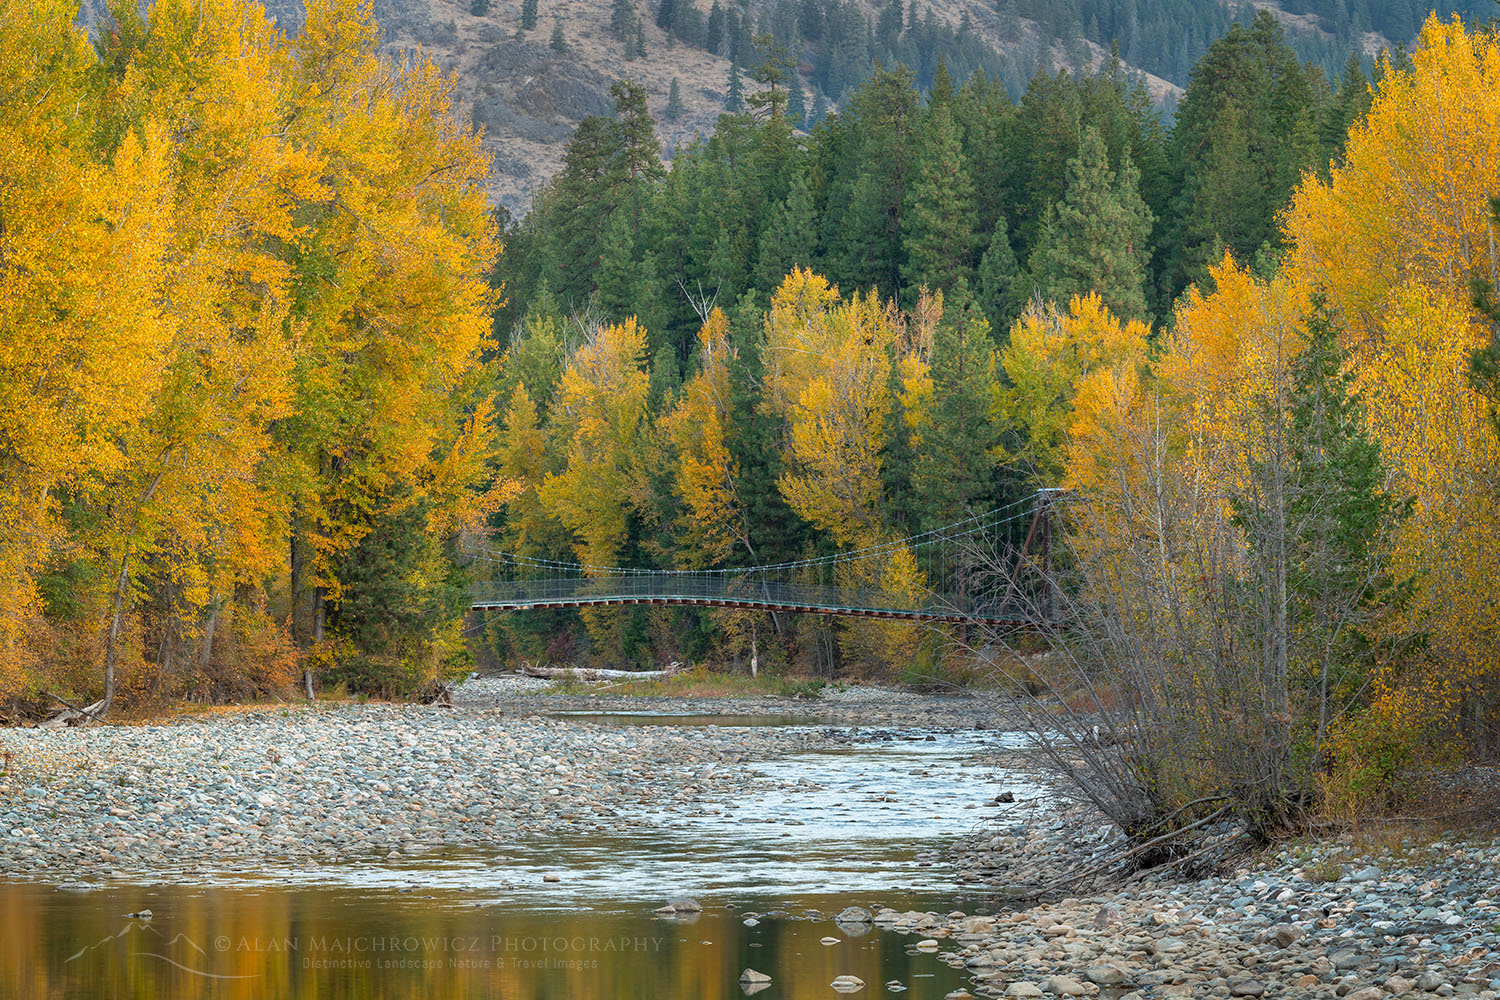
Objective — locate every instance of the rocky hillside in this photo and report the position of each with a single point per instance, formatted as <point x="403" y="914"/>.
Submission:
<point x="529" y="93"/>
<point x="529" y="97"/>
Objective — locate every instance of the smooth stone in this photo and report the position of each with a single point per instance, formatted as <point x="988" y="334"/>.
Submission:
<point x="928" y="944"/>
<point x="1107" y="917"/>
<point x="829" y="940"/>
<point x="686" y="905"/>
<point x="1368" y="993"/>
<point x="1105" y="975"/>
<point x="1369" y="874"/>
<point x="853" y="915"/>
<point x="752" y="977"/>
<point x="848" y="984"/>
<point x="551" y="878"/>
<point x="1347" y="958"/>
<point x="1246" y="988"/>
<point x="1065" y="986"/>
<point x="1030" y="991"/>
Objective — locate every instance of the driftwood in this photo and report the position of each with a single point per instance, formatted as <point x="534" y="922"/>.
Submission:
<point x="75" y="714"/>
<point x="598" y="674"/>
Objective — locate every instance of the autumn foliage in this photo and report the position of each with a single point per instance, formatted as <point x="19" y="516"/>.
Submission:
<point x="243" y="297"/>
<point x="1216" y="467"/>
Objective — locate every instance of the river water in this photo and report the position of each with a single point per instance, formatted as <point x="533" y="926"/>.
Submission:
<point x="568" y="917"/>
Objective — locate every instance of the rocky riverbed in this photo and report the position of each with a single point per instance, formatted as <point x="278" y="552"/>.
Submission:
<point x="350" y="781"/>
<point x="1408" y="926"/>
<point x="332" y="783"/>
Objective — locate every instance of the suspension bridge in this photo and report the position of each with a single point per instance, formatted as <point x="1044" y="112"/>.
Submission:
<point x="970" y="571"/>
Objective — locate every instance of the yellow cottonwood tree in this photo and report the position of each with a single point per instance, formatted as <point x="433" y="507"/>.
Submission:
<point x="600" y="411"/>
<point x="1394" y="235"/>
<point x="1051" y="357"/>
<point x="707" y="475"/>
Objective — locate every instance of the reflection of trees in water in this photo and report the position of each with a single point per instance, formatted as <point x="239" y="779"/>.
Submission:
<point x="320" y="943"/>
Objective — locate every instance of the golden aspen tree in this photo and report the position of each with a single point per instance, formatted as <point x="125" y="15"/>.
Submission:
<point x="828" y="375"/>
<point x="1051" y="356"/>
<point x="81" y="257"/>
<point x="600" y="411"/>
<point x="1395" y="235"/>
<point x="391" y="258"/>
<point x="707" y="475"/>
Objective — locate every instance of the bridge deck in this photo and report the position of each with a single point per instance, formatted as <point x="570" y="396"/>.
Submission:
<point x="727" y="591"/>
<point x="949" y="617"/>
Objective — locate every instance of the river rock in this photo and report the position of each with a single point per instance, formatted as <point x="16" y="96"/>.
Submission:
<point x="750" y="977"/>
<point x="1107" y="917"/>
<point x="1246" y="988"/>
<point x="853" y="915"/>
<point x="1024" y="989"/>
<point x="685" y="905"/>
<point x="1065" y="986"/>
<point x="1105" y="975"/>
<point x="848" y="984"/>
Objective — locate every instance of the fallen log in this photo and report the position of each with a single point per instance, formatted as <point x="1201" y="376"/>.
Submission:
<point x="598" y="673"/>
<point x="74" y="714"/>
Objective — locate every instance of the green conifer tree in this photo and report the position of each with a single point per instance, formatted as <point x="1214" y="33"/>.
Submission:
<point x="674" y="101"/>
<point x="796" y="104"/>
<point x="1095" y="239"/>
<point x="955" y="463"/>
<point x="558" y="42"/>
<point x="790" y="240"/>
<point x="734" y="97"/>
<point x="939" y="219"/>
<point x="1003" y="289"/>
<point x="528" y="15"/>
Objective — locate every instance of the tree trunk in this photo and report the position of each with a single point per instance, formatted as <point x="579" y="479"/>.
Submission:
<point x="112" y="643"/>
<point x="206" y="651"/>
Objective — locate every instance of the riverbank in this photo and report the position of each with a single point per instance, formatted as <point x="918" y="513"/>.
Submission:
<point x="1316" y="920"/>
<point x="391" y="787"/>
<point x="345" y="781"/>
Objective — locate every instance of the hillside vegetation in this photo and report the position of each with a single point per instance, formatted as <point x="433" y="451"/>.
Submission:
<point x="529" y="96"/>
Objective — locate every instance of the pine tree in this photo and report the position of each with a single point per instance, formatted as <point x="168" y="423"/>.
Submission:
<point x="666" y="14"/>
<point x="479" y="8"/>
<point x="1095" y="239"/>
<point x="1484" y="362"/>
<point x="939" y="218"/>
<point x="615" y="277"/>
<point x="528" y="15"/>
<point x="734" y="101"/>
<point x="714" y="34"/>
<point x="674" y="101"/>
<point x="622" y="20"/>
<point x="558" y="42"/>
<point x="796" y="104"/>
<point x="955" y="463"/>
<point x="1003" y="290"/>
<point x="1318" y="518"/>
<point x="790" y="240"/>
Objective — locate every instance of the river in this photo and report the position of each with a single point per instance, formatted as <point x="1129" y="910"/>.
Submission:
<point x="565" y="916"/>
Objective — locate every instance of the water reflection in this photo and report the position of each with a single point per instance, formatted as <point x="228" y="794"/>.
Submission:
<point x="328" y="943"/>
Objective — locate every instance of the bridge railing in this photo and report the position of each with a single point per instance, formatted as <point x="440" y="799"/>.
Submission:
<point x="709" y="587"/>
